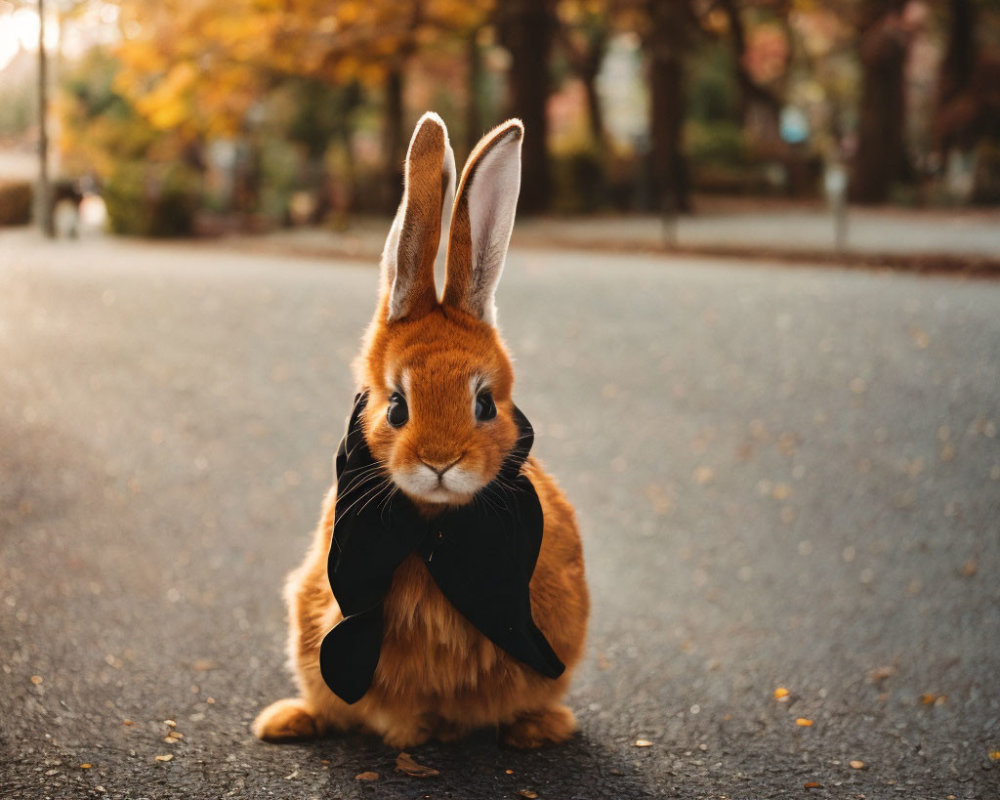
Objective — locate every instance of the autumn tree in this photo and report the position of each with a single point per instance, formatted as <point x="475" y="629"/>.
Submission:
<point x="881" y="159"/>
<point x="759" y="105"/>
<point x="527" y="30"/>
<point x="584" y="30"/>
<point x="670" y="28"/>
<point x="203" y="65"/>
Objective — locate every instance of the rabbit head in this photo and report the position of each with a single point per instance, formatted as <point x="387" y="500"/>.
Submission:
<point x="439" y="413"/>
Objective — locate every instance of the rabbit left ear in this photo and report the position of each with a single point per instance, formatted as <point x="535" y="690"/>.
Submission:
<point x="412" y="245"/>
<point x="482" y="221"/>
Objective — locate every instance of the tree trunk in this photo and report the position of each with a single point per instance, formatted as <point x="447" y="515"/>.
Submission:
<point x="881" y="158"/>
<point x="394" y="144"/>
<point x="526" y="29"/>
<point x="957" y="69"/>
<point x="43" y="202"/>
<point x="665" y="46"/>
<point x="473" y="115"/>
<point x="591" y="66"/>
<point x="759" y="108"/>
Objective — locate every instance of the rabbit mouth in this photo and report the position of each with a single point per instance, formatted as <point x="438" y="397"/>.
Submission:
<point x="454" y="485"/>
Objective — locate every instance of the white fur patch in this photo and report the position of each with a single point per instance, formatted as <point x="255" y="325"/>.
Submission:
<point x="455" y="486"/>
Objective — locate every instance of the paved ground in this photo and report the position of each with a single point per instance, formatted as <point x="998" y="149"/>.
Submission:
<point x="787" y="477"/>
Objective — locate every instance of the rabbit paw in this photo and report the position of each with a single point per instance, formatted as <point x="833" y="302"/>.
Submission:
<point x="538" y="728"/>
<point x="407" y="732"/>
<point x="285" y="721"/>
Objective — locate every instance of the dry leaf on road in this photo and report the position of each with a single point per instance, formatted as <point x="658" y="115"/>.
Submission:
<point x="366" y="776"/>
<point x="406" y="764"/>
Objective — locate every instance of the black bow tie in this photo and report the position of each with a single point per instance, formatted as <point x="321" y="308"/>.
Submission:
<point x="481" y="556"/>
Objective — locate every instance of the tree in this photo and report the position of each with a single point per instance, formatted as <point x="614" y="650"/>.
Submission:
<point x="756" y="100"/>
<point x="669" y="30"/>
<point x="881" y="158"/>
<point x="527" y="29"/>
<point x="583" y="33"/>
<point x="201" y="65"/>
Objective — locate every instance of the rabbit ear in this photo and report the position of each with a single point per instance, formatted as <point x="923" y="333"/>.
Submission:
<point x="412" y="245"/>
<point x="482" y="221"/>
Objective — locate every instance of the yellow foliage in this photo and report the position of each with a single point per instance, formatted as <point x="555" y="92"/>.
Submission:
<point x="198" y="65"/>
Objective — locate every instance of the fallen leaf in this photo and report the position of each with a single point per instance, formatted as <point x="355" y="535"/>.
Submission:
<point x="406" y="764"/>
<point x="803" y="722"/>
<point x="86" y="766"/>
<point x="528" y="793"/>
<point x="920" y="337"/>
<point x="781" y="693"/>
<point x="812" y="785"/>
<point x="204" y="665"/>
<point x="881" y="673"/>
<point x="366" y="776"/>
<point x="171" y="739"/>
<point x="170" y="723"/>
<point x="932" y="699"/>
<point x="781" y="491"/>
<point x="127" y="722"/>
<point x="994" y="755"/>
<point x="643" y="743"/>
<point x="509" y="771"/>
<point x="970" y="568"/>
<point x="166" y="757"/>
<point x="857" y="764"/>
<point x="36" y="679"/>
<point x="704" y="475"/>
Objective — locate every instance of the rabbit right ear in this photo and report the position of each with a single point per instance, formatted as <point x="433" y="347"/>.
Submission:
<point x="412" y="245"/>
<point x="482" y="221"/>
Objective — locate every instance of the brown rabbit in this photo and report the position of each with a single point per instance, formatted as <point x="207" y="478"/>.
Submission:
<point x="442" y="368"/>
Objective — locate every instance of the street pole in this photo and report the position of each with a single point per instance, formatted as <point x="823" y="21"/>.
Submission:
<point x="43" y="204"/>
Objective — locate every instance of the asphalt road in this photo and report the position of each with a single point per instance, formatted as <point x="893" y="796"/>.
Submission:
<point x="786" y="477"/>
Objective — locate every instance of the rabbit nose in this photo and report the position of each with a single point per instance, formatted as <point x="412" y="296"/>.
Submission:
<point x="440" y="467"/>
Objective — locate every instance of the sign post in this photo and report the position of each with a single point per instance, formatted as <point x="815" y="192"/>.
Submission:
<point x="835" y="184"/>
<point x="43" y="200"/>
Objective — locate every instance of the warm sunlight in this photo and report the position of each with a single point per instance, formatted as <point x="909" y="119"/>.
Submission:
<point x="19" y="30"/>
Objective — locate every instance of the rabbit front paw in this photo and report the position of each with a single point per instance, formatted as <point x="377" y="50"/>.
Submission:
<point x="539" y="728"/>
<point x="286" y="720"/>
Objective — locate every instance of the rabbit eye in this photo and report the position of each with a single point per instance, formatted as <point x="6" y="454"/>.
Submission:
<point x="486" y="409"/>
<point x="398" y="413"/>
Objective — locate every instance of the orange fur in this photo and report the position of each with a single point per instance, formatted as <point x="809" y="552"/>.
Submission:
<point x="437" y="675"/>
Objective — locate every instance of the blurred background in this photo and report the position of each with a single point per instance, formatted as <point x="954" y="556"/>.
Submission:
<point x="787" y="473"/>
<point x="172" y="118"/>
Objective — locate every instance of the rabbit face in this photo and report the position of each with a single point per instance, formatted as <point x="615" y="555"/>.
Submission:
<point x="439" y="418"/>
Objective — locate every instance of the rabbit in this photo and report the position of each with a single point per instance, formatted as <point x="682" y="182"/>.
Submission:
<point x="442" y="365"/>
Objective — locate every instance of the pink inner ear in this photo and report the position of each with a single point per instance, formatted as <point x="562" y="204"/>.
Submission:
<point x="483" y="222"/>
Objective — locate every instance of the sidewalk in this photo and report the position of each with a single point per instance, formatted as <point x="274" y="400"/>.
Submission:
<point x="961" y="240"/>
